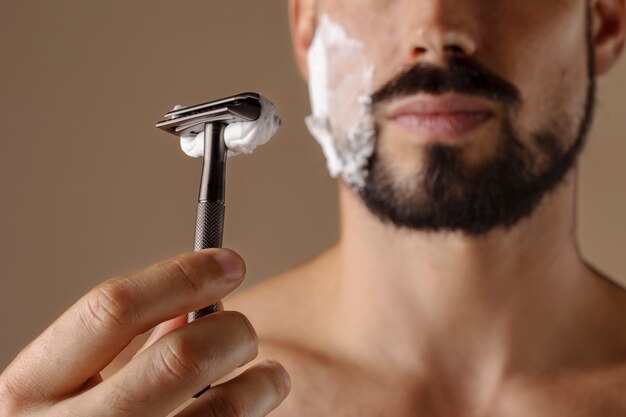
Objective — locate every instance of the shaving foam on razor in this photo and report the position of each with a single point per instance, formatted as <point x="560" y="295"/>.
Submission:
<point x="241" y="137"/>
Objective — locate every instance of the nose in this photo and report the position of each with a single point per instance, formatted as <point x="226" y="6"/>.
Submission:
<point x="439" y="46"/>
<point x="440" y="34"/>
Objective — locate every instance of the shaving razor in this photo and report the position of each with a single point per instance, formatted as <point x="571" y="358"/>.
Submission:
<point x="212" y="118"/>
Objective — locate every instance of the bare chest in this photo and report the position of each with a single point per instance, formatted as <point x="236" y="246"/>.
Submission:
<point x="339" y="405"/>
<point x="319" y="391"/>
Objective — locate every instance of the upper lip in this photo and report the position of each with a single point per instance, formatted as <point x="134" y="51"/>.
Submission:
<point x="449" y="103"/>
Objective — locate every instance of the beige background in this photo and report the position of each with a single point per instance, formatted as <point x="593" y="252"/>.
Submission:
<point x="90" y="189"/>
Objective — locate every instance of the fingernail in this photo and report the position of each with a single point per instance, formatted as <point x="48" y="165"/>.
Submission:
<point x="229" y="263"/>
<point x="283" y="373"/>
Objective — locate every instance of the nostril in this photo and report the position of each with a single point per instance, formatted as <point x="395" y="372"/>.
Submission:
<point x="417" y="51"/>
<point x="454" y="50"/>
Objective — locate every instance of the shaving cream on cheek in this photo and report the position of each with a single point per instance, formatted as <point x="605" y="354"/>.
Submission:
<point x="340" y="89"/>
<point x="240" y="138"/>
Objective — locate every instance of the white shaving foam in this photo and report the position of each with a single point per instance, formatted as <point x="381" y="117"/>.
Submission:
<point x="340" y="88"/>
<point x="240" y="138"/>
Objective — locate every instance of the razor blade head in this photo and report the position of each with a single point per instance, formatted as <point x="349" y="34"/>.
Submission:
<point x="191" y="120"/>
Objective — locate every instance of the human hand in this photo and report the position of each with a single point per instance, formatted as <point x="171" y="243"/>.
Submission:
<point x="58" y="374"/>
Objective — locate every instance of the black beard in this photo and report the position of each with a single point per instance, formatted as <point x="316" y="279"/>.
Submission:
<point x="501" y="192"/>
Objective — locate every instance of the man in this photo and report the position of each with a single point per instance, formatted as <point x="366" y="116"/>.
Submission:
<point x="456" y="287"/>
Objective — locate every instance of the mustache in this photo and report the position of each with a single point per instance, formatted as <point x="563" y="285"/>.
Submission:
<point x="461" y="75"/>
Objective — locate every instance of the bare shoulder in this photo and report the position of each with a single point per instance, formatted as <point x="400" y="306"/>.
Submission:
<point x="278" y="307"/>
<point x="290" y="313"/>
<point x="598" y="385"/>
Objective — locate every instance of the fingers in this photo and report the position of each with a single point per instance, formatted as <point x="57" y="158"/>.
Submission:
<point x="166" y="327"/>
<point x="254" y="393"/>
<point x="94" y="330"/>
<point x="174" y="368"/>
<point x="161" y="330"/>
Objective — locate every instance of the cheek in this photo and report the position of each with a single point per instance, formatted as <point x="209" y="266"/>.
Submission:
<point x="560" y="105"/>
<point x="549" y="64"/>
<point x="340" y="76"/>
<point x="377" y="24"/>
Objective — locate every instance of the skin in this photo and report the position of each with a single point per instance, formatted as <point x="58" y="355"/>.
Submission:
<point x="385" y="322"/>
<point x="58" y="374"/>
<point x="513" y="323"/>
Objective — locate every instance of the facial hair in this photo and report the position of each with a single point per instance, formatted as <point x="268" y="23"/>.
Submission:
<point x="502" y="191"/>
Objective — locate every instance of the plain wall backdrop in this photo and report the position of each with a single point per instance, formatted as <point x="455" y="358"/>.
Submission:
<point x="90" y="189"/>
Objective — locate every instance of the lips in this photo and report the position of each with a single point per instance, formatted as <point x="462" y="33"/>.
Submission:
<point x="446" y="116"/>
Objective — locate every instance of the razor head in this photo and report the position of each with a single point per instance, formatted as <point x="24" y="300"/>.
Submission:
<point x="244" y="107"/>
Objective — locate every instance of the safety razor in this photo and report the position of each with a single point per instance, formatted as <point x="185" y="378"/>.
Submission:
<point x="212" y="118"/>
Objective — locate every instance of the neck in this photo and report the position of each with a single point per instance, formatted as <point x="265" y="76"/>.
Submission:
<point x="452" y="302"/>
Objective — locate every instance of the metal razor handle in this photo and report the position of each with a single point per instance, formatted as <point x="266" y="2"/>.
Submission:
<point x="209" y="232"/>
<point x="210" y="214"/>
<point x="211" y="209"/>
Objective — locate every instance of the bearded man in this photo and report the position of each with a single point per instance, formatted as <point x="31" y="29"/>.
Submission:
<point x="456" y="289"/>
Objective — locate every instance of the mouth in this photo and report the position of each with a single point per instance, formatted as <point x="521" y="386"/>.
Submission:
<point x="449" y="116"/>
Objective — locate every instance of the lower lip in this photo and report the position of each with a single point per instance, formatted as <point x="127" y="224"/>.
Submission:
<point x="442" y="124"/>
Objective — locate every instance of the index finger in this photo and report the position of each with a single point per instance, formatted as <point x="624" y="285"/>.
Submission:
<point x="81" y="342"/>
